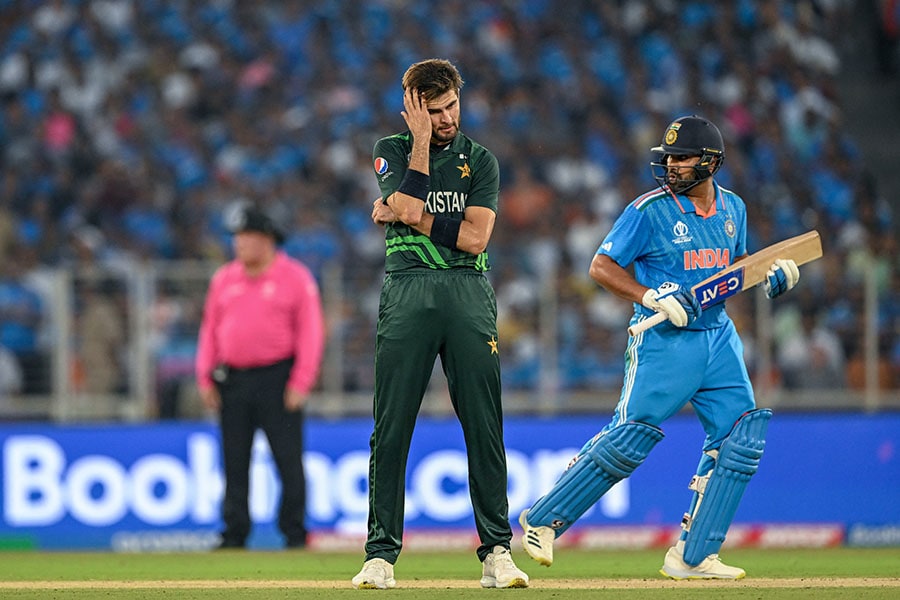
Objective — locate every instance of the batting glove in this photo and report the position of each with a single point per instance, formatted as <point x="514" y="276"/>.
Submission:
<point x="680" y="306"/>
<point x="781" y="277"/>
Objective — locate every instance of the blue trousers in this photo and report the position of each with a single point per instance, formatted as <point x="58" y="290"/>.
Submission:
<point x="667" y="368"/>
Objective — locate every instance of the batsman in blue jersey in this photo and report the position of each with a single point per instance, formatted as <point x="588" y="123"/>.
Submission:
<point x="674" y="236"/>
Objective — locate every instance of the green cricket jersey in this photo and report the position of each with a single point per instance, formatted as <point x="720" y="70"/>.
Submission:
<point x="463" y="173"/>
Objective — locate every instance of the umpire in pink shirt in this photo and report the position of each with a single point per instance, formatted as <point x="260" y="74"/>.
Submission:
<point x="260" y="348"/>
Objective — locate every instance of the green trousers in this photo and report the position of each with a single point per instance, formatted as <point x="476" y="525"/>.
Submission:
<point x="423" y="315"/>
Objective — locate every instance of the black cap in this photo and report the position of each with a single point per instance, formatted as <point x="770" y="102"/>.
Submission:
<point x="251" y="218"/>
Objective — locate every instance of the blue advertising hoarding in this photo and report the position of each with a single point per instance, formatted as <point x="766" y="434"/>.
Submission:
<point x="131" y="487"/>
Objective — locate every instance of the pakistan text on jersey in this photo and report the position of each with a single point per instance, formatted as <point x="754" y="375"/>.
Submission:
<point x="446" y="202"/>
<point x="707" y="258"/>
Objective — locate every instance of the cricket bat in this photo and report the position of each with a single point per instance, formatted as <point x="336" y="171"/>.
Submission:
<point x="745" y="274"/>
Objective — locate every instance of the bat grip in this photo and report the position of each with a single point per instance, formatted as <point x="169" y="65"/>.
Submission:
<point x="647" y="323"/>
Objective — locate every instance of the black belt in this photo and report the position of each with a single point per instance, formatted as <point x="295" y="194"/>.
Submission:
<point x="223" y="371"/>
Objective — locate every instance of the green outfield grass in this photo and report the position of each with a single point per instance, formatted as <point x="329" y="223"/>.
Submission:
<point x="772" y="574"/>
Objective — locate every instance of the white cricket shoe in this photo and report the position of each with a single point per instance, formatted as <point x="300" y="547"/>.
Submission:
<point x="537" y="540"/>
<point x="376" y="574"/>
<point x="712" y="567"/>
<point x="499" y="571"/>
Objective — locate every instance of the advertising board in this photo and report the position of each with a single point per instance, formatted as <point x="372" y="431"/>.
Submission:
<point x="159" y="486"/>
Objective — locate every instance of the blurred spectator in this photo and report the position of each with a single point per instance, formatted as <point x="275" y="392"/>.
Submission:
<point x="10" y="374"/>
<point x="811" y="357"/>
<point x="886" y="16"/>
<point x="21" y="314"/>
<point x="101" y="338"/>
<point x="886" y="368"/>
<point x="525" y="199"/>
<point x="175" y="318"/>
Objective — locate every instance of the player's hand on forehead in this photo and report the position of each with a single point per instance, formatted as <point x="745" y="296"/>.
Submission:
<point x="412" y="96"/>
<point x="416" y="113"/>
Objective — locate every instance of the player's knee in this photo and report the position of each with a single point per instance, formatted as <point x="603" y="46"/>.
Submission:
<point x="621" y="449"/>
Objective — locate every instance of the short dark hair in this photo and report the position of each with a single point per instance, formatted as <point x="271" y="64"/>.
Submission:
<point x="253" y="218"/>
<point x="433" y="77"/>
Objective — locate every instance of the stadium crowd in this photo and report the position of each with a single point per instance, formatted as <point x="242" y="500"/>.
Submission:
<point x="129" y="128"/>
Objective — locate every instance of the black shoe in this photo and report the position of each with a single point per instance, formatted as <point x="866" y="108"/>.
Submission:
<point x="226" y="544"/>
<point x="295" y="543"/>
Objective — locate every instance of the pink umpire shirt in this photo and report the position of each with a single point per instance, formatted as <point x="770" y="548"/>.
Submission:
<point x="258" y="321"/>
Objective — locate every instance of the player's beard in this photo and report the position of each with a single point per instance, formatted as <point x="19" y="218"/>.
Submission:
<point x="441" y="137"/>
<point x="679" y="183"/>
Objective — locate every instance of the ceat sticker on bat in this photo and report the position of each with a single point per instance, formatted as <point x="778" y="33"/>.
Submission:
<point x="716" y="290"/>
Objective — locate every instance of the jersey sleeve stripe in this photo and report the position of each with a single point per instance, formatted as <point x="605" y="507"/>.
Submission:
<point x="642" y="201"/>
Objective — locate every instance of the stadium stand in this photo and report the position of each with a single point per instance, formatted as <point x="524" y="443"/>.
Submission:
<point x="127" y="129"/>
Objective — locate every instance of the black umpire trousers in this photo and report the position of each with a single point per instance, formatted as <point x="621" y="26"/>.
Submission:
<point x="254" y="399"/>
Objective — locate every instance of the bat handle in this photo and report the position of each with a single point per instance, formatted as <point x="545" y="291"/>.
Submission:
<point x="647" y="323"/>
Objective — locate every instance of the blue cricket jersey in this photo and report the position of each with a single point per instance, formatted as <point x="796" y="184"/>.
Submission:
<point x="665" y="238"/>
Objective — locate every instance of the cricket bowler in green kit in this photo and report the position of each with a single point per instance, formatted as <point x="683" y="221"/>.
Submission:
<point x="438" y="204"/>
